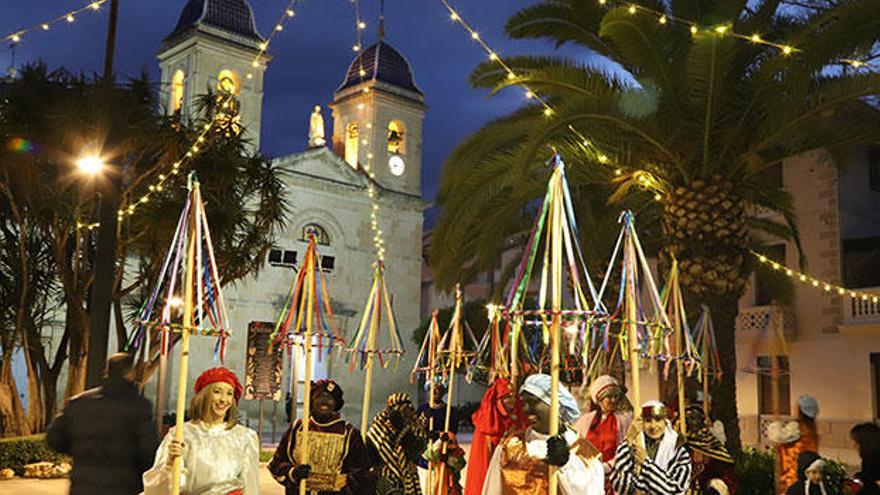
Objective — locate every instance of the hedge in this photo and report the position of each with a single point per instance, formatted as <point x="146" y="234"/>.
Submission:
<point x="17" y="451"/>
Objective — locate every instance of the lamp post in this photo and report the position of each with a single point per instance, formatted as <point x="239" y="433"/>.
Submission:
<point x="105" y="252"/>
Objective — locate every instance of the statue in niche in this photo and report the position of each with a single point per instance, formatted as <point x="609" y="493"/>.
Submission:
<point x="316" y="129"/>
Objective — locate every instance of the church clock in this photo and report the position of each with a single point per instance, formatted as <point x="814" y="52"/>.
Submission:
<point x="396" y="165"/>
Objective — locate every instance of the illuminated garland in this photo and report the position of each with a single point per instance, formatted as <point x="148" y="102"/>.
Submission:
<point x="815" y="282"/>
<point x="199" y="144"/>
<point x="378" y="242"/>
<point x="15" y="37"/>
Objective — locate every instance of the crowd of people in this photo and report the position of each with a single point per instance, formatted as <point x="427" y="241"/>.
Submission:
<point x="413" y="451"/>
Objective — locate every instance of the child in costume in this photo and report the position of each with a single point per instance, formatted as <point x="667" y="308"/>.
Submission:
<point x="500" y="412"/>
<point x="220" y="457"/>
<point x="395" y="442"/>
<point x="445" y="481"/>
<point x="811" y="479"/>
<point x="653" y="459"/>
<point x="520" y="464"/>
<point x="605" y="426"/>
<point x="338" y="461"/>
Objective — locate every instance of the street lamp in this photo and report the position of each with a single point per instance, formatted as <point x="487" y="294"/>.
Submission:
<point x="90" y="164"/>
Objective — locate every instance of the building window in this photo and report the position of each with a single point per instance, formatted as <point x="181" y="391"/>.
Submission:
<point x="396" y="138"/>
<point x="177" y="81"/>
<point x="313" y="229"/>
<point x="351" y="144"/>
<point x="328" y="263"/>
<point x="282" y="257"/>
<point x="774" y="386"/>
<point x="227" y="82"/>
<point x="860" y="260"/>
<point x="770" y="284"/>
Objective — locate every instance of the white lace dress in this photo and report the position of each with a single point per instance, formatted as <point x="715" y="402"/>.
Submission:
<point x="216" y="461"/>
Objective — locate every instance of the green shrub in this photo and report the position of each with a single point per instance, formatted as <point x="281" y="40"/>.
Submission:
<point x="835" y="474"/>
<point x="755" y="470"/>
<point x="17" y="451"/>
<point x="266" y="455"/>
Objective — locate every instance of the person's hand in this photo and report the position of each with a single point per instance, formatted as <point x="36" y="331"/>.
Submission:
<point x="639" y="454"/>
<point x="301" y="472"/>
<point x="557" y="451"/>
<point x="175" y="450"/>
<point x="635" y="428"/>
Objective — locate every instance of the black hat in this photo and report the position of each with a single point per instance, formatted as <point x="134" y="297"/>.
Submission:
<point x="331" y="388"/>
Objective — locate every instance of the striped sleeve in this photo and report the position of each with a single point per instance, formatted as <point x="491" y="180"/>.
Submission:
<point x="623" y="476"/>
<point x="674" y="480"/>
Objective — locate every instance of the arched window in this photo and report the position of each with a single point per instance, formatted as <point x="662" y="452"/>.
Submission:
<point x="351" y="144"/>
<point x="227" y="81"/>
<point x="396" y="137"/>
<point x="313" y="229"/>
<point x="177" y="90"/>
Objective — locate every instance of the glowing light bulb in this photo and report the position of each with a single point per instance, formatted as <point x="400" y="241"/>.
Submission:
<point x="95" y="5"/>
<point x="693" y="29"/>
<point x="755" y="38"/>
<point x="602" y="158"/>
<point x="16" y="38"/>
<point x="362" y="25"/>
<point x="511" y="75"/>
<point x="45" y="27"/>
<point x="356" y="48"/>
<point x="631" y="9"/>
<point x="721" y="29"/>
<point x="493" y="57"/>
<point x="69" y="18"/>
<point x="662" y="19"/>
<point x="453" y="16"/>
<point x="475" y="35"/>
<point x="786" y="50"/>
<point x="290" y="12"/>
<point x="548" y="112"/>
<point x="279" y="27"/>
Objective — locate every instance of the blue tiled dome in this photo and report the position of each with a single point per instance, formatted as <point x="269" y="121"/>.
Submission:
<point x="383" y="63"/>
<point x="234" y="16"/>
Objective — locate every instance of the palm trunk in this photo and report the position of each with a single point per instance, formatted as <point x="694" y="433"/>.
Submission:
<point x="77" y="321"/>
<point x="13" y="420"/>
<point x="724" y="310"/>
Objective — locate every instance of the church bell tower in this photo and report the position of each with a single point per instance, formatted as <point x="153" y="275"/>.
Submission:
<point x="214" y="46"/>
<point x="378" y="112"/>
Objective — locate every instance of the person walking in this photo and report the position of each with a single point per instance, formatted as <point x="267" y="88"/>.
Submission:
<point x="110" y="433"/>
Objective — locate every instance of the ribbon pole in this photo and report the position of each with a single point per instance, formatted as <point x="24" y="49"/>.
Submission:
<point x="371" y="343"/>
<point x="307" y="350"/>
<point x="556" y="261"/>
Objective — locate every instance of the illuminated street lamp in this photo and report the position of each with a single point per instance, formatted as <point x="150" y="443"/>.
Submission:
<point x="90" y="164"/>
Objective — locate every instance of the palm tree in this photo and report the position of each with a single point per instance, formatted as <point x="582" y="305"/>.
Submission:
<point x="683" y="122"/>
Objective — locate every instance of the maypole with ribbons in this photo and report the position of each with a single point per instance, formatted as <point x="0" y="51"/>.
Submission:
<point x="562" y="264"/>
<point x="190" y="256"/>
<point x="367" y="345"/>
<point x="307" y="320"/>
<point x="704" y="339"/>
<point x="681" y="350"/>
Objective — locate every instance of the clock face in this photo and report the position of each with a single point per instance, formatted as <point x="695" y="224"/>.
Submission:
<point x="396" y="164"/>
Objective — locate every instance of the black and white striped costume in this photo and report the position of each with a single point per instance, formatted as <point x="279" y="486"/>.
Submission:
<point x="652" y="479"/>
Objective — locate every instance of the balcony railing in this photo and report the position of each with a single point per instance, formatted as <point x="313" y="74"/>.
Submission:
<point x="758" y="321"/>
<point x="860" y="311"/>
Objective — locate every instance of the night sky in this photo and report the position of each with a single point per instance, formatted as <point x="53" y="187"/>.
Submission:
<point x="309" y="58"/>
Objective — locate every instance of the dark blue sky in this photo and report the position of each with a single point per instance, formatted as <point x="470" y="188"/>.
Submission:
<point x="309" y="58"/>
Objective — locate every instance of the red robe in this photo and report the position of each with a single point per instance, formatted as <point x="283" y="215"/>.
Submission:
<point x="491" y="423"/>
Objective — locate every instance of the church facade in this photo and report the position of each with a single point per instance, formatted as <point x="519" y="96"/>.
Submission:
<point x="377" y="113"/>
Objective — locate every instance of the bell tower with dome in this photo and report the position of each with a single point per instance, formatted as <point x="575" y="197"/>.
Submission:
<point x="378" y="112"/>
<point x="214" y="44"/>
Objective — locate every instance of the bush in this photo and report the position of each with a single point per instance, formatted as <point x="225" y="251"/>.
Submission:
<point x="835" y="474"/>
<point x="17" y="451"/>
<point x="266" y="455"/>
<point x="755" y="471"/>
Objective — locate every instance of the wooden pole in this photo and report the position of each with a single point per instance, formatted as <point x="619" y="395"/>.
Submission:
<point x="184" y="341"/>
<point x="294" y="378"/>
<point x="706" y="369"/>
<point x="454" y="352"/>
<point x="160" y="388"/>
<point x="376" y="298"/>
<point x="432" y="385"/>
<point x="307" y="349"/>
<point x="633" y="333"/>
<point x="556" y="264"/>
<point x="260" y="425"/>
<point x="677" y="304"/>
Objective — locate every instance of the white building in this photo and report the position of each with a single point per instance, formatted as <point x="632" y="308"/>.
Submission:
<point x="377" y="120"/>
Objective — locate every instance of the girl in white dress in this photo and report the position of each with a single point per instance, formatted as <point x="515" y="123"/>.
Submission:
<point x="220" y="457"/>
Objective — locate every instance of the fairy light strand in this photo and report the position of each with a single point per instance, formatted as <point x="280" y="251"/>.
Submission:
<point x="372" y="192"/>
<point x="18" y="35"/>
<point x="809" y="280"/>
<point x="201" y="142"/>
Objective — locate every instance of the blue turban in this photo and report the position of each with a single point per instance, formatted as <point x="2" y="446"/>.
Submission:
<point x="539" y="386"/>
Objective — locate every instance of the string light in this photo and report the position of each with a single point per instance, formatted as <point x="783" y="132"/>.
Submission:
<point x="17" y="35"/>
<point x="814" y="282"/>
<point x="160" y="183"/>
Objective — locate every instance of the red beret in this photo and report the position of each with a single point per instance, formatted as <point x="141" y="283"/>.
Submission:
<point x="215" y="375"/>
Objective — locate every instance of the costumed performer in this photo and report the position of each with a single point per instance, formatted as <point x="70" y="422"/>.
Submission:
<point x="453" y="462"/>
<point x="713" y="466"/>
<point x="395" y="441"/>
<point x="653" y="459"/>
<point x="520" y="463"/>
<point x="434" y="414"/>
<point x="338" y="461"/>
<point x="499" y="412"/>
<point x="791" y="438"/>
<point x="811" y="479"/>
<point x="605" y="425"/>
<point x="220" y="457"/>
